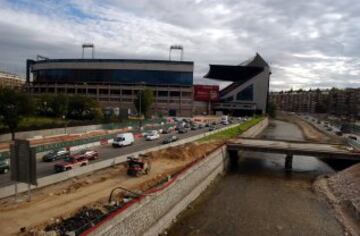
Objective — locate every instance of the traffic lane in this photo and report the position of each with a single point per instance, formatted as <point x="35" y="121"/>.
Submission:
<point x="105" y="152"/>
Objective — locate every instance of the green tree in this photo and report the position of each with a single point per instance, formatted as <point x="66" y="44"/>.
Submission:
<point x="272" y="109"/>
<point x="43" y="106"/>
<point x="59" y="105"/>
<point x="83" y="108"/>
<point x="14" y="106"/>
<point x="144" y="100"/>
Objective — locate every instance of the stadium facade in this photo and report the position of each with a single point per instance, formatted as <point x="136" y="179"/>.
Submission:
<point x="115" y="82"/>
<point x="248" y="92"/>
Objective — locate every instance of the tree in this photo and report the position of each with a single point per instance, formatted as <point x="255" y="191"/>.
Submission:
<point x="59" y="105"/>
<point x="14" y="105"/>
<point x="144" y="100"/>
<point x="80" y="107"/>
<point x="272" y="109"/>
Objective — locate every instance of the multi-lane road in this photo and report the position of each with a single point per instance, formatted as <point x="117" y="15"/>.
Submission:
<point x="105" y="152"/>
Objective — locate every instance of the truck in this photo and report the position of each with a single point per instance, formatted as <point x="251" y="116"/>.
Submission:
<point x="71" y="162"/>
<point x="123" y="139"/>
<point x="138" y="166"/>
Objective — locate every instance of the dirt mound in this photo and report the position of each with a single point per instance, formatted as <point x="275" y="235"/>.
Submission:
<point x="189" y="151"/>
<point x="346" y="185"/>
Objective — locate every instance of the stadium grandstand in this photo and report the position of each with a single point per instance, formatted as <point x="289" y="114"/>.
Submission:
<point x="115" y="82"/>
<point x="249" y="89"/>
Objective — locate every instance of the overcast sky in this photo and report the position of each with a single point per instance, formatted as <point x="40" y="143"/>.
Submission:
<point x="307" y="43"/>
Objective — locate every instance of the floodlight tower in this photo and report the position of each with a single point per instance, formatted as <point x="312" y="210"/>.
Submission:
<point x="88" y="45"/>
<point x="177" y="47"/>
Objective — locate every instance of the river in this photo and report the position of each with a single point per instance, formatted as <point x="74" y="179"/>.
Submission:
<point x="260" y="198"/>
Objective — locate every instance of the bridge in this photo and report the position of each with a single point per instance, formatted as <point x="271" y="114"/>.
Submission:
<point x="291" y="148"/>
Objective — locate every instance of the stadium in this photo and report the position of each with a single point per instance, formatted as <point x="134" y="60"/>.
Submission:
<point x="248" y="91"/>
<point x="115" y="82"/>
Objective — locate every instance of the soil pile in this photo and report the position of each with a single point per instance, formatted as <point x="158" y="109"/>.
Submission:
<point x="189" y="151"/>
<point x="346" y="186"/>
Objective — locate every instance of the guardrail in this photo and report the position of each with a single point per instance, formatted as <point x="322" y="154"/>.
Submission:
<point x="55" y="178"/>
<point x="72" y="143"/>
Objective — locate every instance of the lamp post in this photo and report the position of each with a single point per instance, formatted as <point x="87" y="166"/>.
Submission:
<point x="64" y="117"/>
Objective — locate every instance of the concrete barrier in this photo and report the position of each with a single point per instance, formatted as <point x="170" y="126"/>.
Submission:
<point x="152" y="213"/>
<point x="55" y="178"/>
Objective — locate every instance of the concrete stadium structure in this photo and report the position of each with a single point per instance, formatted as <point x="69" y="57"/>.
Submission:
<point x="115" y="82"/>
<point x="249" y="91"/>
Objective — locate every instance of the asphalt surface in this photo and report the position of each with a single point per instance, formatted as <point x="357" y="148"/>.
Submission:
<point x="105" y="152"/>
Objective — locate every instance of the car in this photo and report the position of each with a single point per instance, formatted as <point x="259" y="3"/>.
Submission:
<point x="224" y="122"/>
<point x="170" y="139"/>
<point x="194" y="127"/>
<point x="55" y="155"/>
<point x="88" y="154"/>
<point x="201" y="126"/>
<point x="182" y="130"/>
<point x="168" y="130"/>
<point x="329" y="129"/>
<point x="71" y="162"/>
<point x="154" y="134"/>
<point x="352" y="137"/>
<point x="4" y="166"/>
<point x="212" y="128"/>
<point x="187" y="126"/>
<point x="339" y="133"/>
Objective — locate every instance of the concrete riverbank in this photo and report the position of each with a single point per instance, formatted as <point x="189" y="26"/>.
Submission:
<point x="259" y="198"/>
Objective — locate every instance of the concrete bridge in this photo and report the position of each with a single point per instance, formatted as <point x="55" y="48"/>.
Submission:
<point x="291" y="148"/>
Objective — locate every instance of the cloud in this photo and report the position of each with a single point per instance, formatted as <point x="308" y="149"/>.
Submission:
<point x="308" y="44"/>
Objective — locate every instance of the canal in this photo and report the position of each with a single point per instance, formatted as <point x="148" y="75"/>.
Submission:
<point x="259" y="198"/>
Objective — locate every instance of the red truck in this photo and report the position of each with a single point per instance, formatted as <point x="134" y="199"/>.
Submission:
<point x="71" y="162"/>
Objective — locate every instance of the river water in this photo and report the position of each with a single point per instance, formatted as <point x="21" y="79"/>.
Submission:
<point x="260" y="198"/>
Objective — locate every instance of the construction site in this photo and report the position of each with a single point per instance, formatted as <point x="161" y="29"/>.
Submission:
<point x="53" y="207"/>
<point x="78" y="203"/>
<point x="146" y="193"/>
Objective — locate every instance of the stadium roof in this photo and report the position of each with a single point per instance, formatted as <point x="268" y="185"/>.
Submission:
<point x="87" y="60"/>
<point x="239" y="73"/>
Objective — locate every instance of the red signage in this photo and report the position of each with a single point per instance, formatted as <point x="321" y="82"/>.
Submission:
<point x="206" y="93"/>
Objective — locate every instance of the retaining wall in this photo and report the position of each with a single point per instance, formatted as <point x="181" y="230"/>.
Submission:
<point x="152" y="214"/>
<point x="51" y="132"/>
<point x="70" y="130"/>
<point x="55" y="178"/>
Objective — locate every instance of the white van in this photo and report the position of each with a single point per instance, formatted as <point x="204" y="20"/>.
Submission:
<point x="123" y="139"/>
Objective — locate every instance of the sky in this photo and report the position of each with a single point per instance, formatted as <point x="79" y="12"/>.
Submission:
<point x="308" y="44"/>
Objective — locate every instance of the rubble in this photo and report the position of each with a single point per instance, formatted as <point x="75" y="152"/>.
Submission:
<point x="83" y="219"/>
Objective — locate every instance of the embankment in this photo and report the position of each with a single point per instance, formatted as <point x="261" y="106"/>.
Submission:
<point x="157" y="209"/>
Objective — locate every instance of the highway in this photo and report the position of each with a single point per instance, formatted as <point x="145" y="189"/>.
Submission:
<point x="105" y="152"/>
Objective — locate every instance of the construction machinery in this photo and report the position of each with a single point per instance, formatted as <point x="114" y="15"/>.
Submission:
<point x="138" y="166"/>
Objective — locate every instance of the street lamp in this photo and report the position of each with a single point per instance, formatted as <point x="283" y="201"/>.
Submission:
<point x="64" y="118"/>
